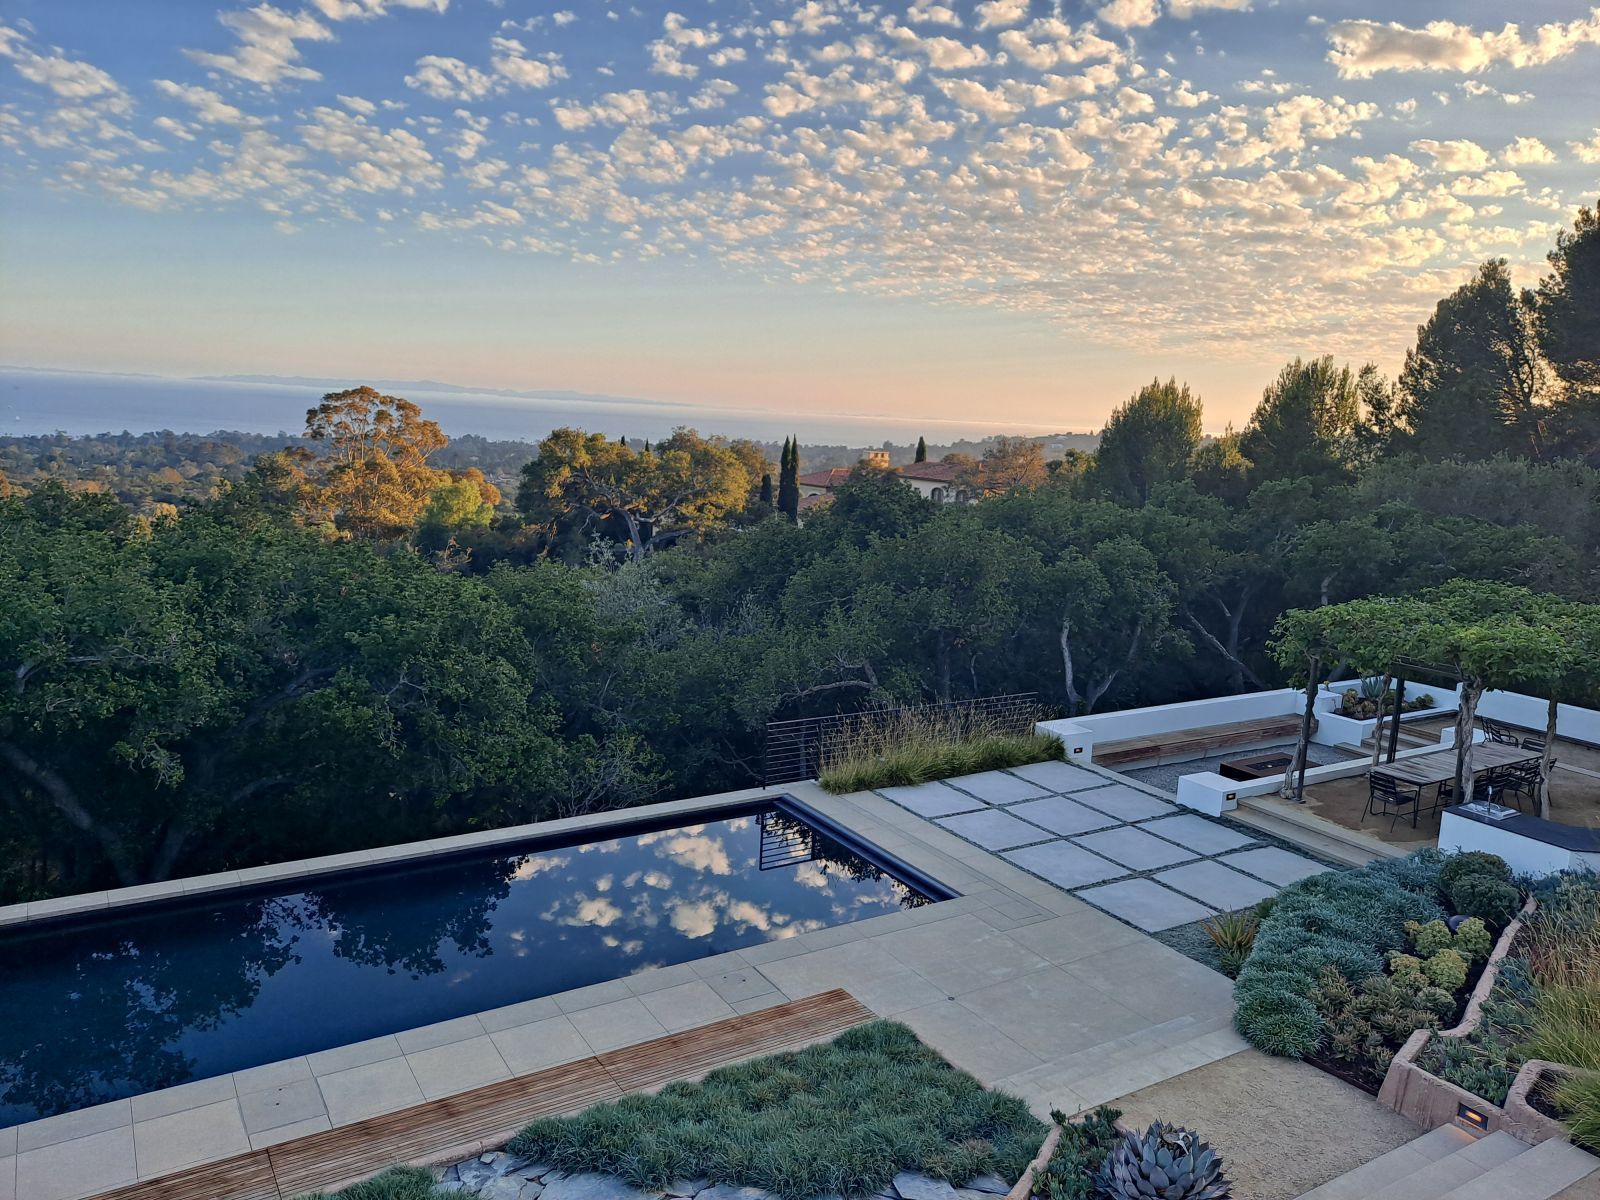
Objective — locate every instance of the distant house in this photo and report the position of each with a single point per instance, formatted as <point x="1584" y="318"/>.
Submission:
<point x="933" y="481"/>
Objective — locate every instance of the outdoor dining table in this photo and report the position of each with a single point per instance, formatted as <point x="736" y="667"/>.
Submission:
<point x="1439" y="767"/>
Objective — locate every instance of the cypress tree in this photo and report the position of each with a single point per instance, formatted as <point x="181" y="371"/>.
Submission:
<point x="623" y="440"/>
<point x="789" y="480"/>
<point x="922" y="450"/>
<point x="766" y="490"/>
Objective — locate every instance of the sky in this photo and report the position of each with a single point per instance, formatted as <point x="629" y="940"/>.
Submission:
<point x="1021" y="209"/>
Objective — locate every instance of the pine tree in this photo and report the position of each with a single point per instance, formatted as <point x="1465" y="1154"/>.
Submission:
<point x="789" y="480"/>
<point x="766" y="490"/>
<point x="922" y="450"/>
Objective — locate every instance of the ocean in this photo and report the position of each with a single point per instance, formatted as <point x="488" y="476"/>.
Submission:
<point x="35" y="402"/>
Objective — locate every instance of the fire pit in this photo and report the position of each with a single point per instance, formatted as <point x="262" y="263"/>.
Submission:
<point x="1257" y="766"/>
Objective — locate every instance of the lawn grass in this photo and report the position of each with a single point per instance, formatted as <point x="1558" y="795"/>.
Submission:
<point x="841" y="1118"/>
<point x="920" y="745"/>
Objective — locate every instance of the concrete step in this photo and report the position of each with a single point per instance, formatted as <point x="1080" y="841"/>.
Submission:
<point x="1398" y="1164"/>
<point x="1312" y="833"/>
<point x="1464" y="1165"/>
<point x="1539" y="1173"/>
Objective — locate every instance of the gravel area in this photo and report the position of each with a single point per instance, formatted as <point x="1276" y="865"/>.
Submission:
<point x="1281" y="1126"/>
<point x="1167" y="775"/>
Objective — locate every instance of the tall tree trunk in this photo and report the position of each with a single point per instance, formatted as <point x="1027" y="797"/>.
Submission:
<point x="60" y="794"/>
<point x="1073" y="699"/>
<point x="1547" y="760"/>
<point x="1466" y="715"/>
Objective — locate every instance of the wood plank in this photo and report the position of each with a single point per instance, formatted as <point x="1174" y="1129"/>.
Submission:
<point x="425" y="1131"/>
<point x="733" y="1039"/>
<point x="1200" y="741"/>
<point x="243" y="1177"/>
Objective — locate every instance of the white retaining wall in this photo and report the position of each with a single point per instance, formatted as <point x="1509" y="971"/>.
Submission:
<point x="1524" y="855"/>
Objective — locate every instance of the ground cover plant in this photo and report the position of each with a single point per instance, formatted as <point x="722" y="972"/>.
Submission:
<point x="842" y="1118"/>
<point x="1348" y="965"/>
<point x="919" y="745"/>
<point x="1080" y="1152"/>
<point x="397" y="1183"/>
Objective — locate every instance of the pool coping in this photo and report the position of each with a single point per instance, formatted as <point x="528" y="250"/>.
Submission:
<point x="327" y="864"/>
<point x="148" y="1135"/>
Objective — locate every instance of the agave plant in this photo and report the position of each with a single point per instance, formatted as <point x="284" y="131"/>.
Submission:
<point x="1166" y="1163"/>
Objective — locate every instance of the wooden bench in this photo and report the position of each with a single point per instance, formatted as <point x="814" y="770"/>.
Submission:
<point x="1180" y="744"/>
<point x="485" y="1118"/>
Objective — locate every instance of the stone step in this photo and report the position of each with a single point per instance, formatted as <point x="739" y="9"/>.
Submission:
<point x="1540" y="1173"/>
<point x="1311" y="833"/>
<point x="1462" y="1166"/>
<point x="1400" y="1163"/>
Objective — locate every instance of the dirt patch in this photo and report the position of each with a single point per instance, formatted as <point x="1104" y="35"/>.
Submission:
<point x="1282" y="1127"/>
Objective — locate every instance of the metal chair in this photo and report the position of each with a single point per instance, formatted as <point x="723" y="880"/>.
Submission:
<point x="1484" y="788"/>
<point x="1534" y="742"/>
<point x="1388" y="798"/>
<point x="1499" y="732"/>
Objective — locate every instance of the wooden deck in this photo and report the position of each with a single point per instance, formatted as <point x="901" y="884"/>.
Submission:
<point x="1196" y="743"/>
<point x="487" y="1117"/>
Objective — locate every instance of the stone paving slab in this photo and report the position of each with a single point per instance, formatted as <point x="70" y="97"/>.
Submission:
<point x="931" y="800"/>
<point x="997" y="787"/>
<point x="1125" y="803"/>
<point x="993" y="829"/>
<point x="1059" y="776"/>
<point x="1148" y="905"/>
<point x="1217" y="885"/>
<point x="1274" y="865"/>
<point x="1199" y="834"/>
<point x="1065" y="865"/>
<point x="1061" y="815"/>
<point x="1134" y="848"/>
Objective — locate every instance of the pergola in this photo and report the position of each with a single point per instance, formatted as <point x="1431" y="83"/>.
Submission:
<point x="1484" y="636"/>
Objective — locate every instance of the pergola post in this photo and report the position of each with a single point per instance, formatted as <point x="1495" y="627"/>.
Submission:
<point x="1377" y="726"/>
<point x="1298" y="767"/>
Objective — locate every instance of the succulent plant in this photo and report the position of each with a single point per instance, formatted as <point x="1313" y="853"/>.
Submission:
<point x="1166" y="1162"/>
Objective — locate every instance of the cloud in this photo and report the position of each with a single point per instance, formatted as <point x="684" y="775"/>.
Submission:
<point x="1184" y="9"/>
<point x="267" y="53"/>
<point x="1527" y="150"/>
<point x="929" y="12"/>
<point x="450" y="79"/>
<point x="344" y="10"/>
<point x="209" y="107"/>
<point x="1457" y="155"/>
<point x="1362" y="48"/>
<point x="1129" y="14"/>
<point x="378" y="159"/>
<point x="510" y="60"/>
<point x="997" y="14"/>
<point x="1588" y="151"/>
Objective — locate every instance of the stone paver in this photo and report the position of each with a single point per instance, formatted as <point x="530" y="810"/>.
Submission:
<point x="1199" y="834"/>
<point x="170" y="1143"/>
<point x="912" y="1186"/>
<point x="1059" y="776"/>
<point x="368" y="1090"/>
<point x="1219" y="886"/>
<point x="273" y="1108"/>
<point x="1274" y="865"/>
<point x="1065" y="865"/>
<point x="931" y="800"/>
<point x="1125" y="803"/>
<point x="993" y="829"/>
<point x="997" y="787"/>
<point x="1061" y="815"/>
<point x="1134" y="848"/>
<point x="539" y="1044"/>
<point x="1148" y="905"/>
<point x="620" y="1023"/>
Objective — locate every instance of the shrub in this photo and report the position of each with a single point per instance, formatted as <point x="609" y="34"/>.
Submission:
<point x="1492" y="901"/>
<point x="1279" y="1022"/>
<point x="1234" y="935"/>
<point x="1430" y="938"/>
<point x="1470" y="863"/>
<point x="1473" y="941"/>
<point x="914" y="746"/>
<point x="1446" y="969"/>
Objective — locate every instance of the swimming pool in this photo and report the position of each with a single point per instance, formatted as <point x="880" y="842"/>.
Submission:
<point x="96" y="1009"/>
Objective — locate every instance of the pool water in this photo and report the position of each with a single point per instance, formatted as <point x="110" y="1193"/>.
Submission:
<point x="94" y="1010"/>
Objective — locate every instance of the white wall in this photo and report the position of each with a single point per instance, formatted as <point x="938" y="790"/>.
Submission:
<point x="1524" y="855"/>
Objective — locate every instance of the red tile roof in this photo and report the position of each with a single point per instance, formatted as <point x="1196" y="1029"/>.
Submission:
<point x="934" y="472"/>
<point x="825" y="479"/>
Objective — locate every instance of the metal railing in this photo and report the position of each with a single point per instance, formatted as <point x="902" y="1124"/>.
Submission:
<point x="794" y="747"/>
